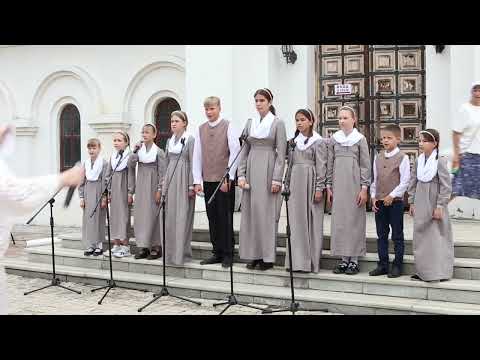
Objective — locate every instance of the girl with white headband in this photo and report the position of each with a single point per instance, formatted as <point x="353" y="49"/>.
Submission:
<point x="429" y="192"/>
<point x="348" y="179"/>
<point x="90" y="191"/>
<point x="260" y="174"/>
<point x="119" y="197"/>
<point x="307" y="202"/>
<point x="180" y="195"/>
<point x="147" y="187"/>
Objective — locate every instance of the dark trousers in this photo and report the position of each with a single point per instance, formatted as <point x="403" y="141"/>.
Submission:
<point x="220" y="218"/>
<point x="386" y="217"/>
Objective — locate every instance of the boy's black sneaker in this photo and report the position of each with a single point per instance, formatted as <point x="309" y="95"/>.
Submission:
<point x="395" y="272"/>
<point x="378" y="271"/>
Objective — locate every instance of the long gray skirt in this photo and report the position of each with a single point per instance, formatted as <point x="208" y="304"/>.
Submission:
<point x="93" y="228"/>
<point x="432" y="239"/>
<point x="179" y="213"/>
<point x="306" y="220"/>
<point x="260" y="207"/>
<point x="119" y="209"/>
<point x="146" y="216"/>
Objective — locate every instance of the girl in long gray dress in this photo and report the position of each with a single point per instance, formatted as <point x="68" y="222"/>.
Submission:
<point x="90" y="191"/>
<point x="147" y="188"/>
<point x="429" y="193"/>
<point x="260" y="174"/>
<point x="180" y="196"/>
<point x="306" y="204"/>
<point x="119" y="198"/>
<point x="348" y="178"/>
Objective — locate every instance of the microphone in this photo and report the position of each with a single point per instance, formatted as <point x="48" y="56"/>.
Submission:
<point x="70" y="192"/>
<point x="137" y="147"/>
<point x="183" y="142"/>
<point x="120" y="153"/>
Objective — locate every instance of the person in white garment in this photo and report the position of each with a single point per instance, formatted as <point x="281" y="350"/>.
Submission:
<point x="19" y="197"/>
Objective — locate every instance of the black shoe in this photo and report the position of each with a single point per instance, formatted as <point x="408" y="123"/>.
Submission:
<point x="227" y="262"/>
<point x="395" y="272"/>
<point x="211" y="260"/>
<point x="265" y="265"/>
<point x="352" y="269"/>
<point x="416" y="277"/>
<point x="98" y="252"/>
<point x="378" y="271"/>
<point x="142" y="254"/>
<point x="253" y="264"/>
<point x="341" y="267"/>
<point x="89" y="251"/>
<point x="155" y="254"/>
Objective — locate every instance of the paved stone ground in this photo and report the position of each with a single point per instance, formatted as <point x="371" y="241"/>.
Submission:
<point x="58" y="301"/>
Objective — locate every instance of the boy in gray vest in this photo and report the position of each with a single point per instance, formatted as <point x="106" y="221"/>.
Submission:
<point x="216" y="145"/>
<point x="391" y="171"/>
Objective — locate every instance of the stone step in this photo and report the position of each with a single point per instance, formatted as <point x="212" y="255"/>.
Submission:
<point x="462" y="248"/>
<point x="464" y="268"/>
<point x="334" y="301"/>
<point x="456" y="290"/>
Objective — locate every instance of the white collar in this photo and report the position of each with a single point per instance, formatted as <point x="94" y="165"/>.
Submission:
<point x="392" y="153"/>
<point x="215" y="123"/>
<point x="124" y="162"/>
<point x="176" y="148"/>
<point x="427" y="170"/>
<point x="92" y="174"/>
<point x="350" y="140"/>
<point x="261" y="129"/>
<point x="148" y="157"/>
<point x="304" y="143"/>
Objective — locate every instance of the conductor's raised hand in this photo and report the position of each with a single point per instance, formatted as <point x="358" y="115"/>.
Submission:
<point x="158" y="197"/>
<point x="73" y="176"/>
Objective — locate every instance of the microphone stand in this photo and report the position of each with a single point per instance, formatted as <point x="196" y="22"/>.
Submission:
<point x="294" y="306"/>
<point x="232" y="300"/>
<point x="164" y="291"/>
<point x="13" y="240"/>
<point x="55" y="280"/>
<point x="110" y="283"/>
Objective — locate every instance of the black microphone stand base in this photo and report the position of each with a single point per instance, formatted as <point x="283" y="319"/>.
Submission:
<point x="294" y="307"/>
<point x="55" y="282"/>
<point x="111" y="284"/>
<point x="232" y="301"/>
<point x="164" y="292"/>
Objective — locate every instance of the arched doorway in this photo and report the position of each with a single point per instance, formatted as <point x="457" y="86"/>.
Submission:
<point x="162" y="114"/>
<point x="70" y="146"/>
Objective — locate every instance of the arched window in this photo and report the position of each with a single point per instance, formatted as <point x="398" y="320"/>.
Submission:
<point x="69" y="137"/>
<point x="162" y="120"/>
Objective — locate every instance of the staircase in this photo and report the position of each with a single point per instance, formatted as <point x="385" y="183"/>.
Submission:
<point x="344" y="294"/>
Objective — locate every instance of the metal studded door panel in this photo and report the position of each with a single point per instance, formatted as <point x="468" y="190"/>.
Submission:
<point x="388" y="87"/>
